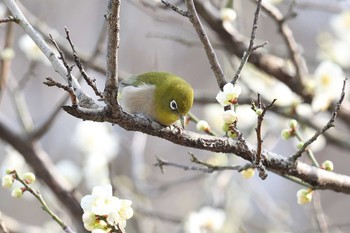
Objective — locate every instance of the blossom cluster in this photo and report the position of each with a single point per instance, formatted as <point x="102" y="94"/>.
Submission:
<point x="11" y="175"/>
<point x="227" y="97"/>
<point x="104" y="212"/>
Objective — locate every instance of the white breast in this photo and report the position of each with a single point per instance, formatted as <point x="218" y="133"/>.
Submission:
<point x="138" y="99"/>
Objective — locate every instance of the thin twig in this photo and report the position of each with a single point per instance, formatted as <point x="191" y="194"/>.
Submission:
<point x="50" y="82"/>
<point x="329" y="125"/>
<point x="214" y="63"/>
<point x="257" y="162"/>
<point x="175" y="8"/>
<point x="63" y="59"/>
<point x="91" y="82"/>
<point x="44" y="206"/>
<point x="208" y="168"/>
<point x="9" y="19"/>
<point x="251" y="46"/>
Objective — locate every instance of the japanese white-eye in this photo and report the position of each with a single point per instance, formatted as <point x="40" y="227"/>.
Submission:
<point x="161" y="96"/>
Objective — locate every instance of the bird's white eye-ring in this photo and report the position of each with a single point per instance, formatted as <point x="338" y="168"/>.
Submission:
<point x="173" y="105"/>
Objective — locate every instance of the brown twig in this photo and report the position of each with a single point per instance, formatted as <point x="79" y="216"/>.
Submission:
<point x="113" y="26"/>
<point x="329" y="125"/>
<point x="251" y="46"/>
<point x="62" y="58"/>
<point x="257" y="162"/>
<point x="175" y="8"/>
<point x="50" y="82"/>
<point x="9" y="19"/>
<point x="91" y="82"/>
<point x="207" y="167"/>
<point x="214" y="63"/>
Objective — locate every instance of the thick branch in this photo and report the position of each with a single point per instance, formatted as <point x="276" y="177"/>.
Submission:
<point x="113" y="27"/>
<point x="279" y="164"/>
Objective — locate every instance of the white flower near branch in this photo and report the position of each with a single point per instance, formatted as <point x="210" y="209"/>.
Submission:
<point x="206" y="220"/>
<point x="229" y="94"/>
<point x="341" y="26"/>
<point x="96" y="138"/>
<point x="103" y="211"/>
<point x="328" y="80"/>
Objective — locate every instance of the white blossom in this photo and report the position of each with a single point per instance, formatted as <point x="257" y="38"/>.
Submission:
<point x="102" y="209"/>
<point x="229" y="94"/>
<point x="328" y="79"/>
<point x="206" y="220"/>
<point x="341" y="26"/>
<point x="96" y="138"/>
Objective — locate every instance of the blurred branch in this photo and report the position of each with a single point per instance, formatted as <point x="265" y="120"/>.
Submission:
<point x="5" y="64"/>
<point x="44" y="168"/>
<point x="287" y="34"/>
<point x="39" y="41"/>
<point x="22" y="110"/>
<point x="3" y="227"/>
<point x="235" y="43"/>
<point x="320" y="216"/>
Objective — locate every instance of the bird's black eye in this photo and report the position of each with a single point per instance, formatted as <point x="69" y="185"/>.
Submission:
<point x="173" y="105"/>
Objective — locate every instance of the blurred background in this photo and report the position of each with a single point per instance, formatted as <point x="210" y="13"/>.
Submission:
<point x="154" y="38"/>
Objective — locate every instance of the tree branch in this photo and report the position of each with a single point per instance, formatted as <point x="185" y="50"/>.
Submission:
<point x="113" y="26"/>
<point x="318" y="178"/>
<point x="214" y="63"/>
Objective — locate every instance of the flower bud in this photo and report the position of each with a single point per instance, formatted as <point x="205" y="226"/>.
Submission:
<point x="327" y="165"/>
<point x="228" y="14"/>
<point x="202" y="125"/>
<point x="248" y="173"/>
<point x="17" y="193"/>
<point x="29" y="178"/>
<point x="304" y="196"/>
<point x="7" y="181"/>
<point x="293" y="124"/>
<point x="285" y="134"/>
<point x="229" y="116"/>
<point x="9" y="171"/>
<point x="259" y="111"/>
<point x="300" y="145"/>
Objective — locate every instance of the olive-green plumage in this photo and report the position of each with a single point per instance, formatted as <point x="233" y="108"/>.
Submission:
<point x="163" y="97"/>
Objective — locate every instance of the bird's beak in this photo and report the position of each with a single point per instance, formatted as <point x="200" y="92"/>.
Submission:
<point x="182" y="120"/>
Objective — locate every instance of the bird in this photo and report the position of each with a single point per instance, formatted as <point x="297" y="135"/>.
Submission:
<point x="160" y="96"/>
